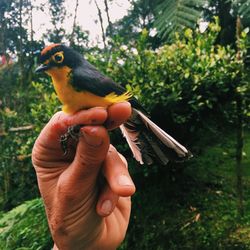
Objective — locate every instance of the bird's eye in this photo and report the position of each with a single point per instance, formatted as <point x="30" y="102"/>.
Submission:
<point x="58" y="57"/>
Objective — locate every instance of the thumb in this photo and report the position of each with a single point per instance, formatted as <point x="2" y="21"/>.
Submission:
<point x="91" y="151"/>
<point x="92" y="147"/>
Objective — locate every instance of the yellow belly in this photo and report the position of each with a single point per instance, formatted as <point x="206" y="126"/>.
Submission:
<point x="73" y="100"/>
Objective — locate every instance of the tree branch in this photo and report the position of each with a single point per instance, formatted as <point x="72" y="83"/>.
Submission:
<point x="101" y="22"/>
<point x="71" y="41"/>
<point x="108" y="17"/>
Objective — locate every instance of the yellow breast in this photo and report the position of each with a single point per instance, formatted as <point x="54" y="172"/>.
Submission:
<point x="73" y="100"/>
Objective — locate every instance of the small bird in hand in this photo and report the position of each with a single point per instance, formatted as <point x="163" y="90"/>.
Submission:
<point x="79" y="85"/>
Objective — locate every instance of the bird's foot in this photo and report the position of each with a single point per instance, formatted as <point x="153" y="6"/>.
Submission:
<point x="72" y="132"/>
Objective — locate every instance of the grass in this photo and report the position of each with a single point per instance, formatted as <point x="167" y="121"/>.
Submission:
<point x="25" y="228"/>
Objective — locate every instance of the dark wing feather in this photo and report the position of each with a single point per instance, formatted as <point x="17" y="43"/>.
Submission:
<point x="87" y="78"/>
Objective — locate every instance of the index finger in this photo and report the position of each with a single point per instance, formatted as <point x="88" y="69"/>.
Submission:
<point x="60" y="122"/>
<point x="118" y="114"/>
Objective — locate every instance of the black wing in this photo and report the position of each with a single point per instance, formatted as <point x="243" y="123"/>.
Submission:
<point x="87" y="78"/>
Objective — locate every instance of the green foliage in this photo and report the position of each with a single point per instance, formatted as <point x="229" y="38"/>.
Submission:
<point x="58" y="13"/>
<point x="195" y="207"/>
<point x="47" y="101"/>
<point x="190" y="79"/>
<point x="80" y="41"/>
<point x="242" y="9"/>
<point x="25" y="227"/>
<point x="17" y="178"/>
<point x="23" y="113"/>
<point x="175" y="15"/>
<point x="140" y="16"/>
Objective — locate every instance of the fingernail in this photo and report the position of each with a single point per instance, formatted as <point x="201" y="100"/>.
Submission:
<point x="90" y="138"/>
<point x="126" y="103"/>
<point x="106" y="207"/>
<point x="124" y="180"/>
<point x="100" y="108"/>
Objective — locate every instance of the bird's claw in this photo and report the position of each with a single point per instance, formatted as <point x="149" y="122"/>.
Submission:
<point x="72" y="132"/>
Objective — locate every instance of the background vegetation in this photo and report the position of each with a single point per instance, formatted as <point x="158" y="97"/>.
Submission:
<point x="196" y="86"/>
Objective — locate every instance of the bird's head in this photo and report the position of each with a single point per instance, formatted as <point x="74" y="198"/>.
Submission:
<point x="57" y="56"/>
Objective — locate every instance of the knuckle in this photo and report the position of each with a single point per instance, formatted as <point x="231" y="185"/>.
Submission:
<point x="89" y="162"/>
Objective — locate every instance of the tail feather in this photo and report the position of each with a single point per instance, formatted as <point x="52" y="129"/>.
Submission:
<point x="154" y="149"/>
<point x="150" y="143"/>
<point x="132" y="139"/>
<point x="168" y="140"/>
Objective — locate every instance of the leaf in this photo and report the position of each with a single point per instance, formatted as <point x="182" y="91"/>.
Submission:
<point x="244" y="9"/>
<point x="174" y="15"/>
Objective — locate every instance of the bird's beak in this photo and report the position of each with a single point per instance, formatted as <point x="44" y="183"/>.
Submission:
<point x="42" y="68"/>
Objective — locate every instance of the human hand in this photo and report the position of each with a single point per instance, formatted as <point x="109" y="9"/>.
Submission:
<point x="87" y="192"/>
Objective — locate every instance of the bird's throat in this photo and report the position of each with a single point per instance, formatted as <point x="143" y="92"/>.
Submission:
<point x="61" y="78"/>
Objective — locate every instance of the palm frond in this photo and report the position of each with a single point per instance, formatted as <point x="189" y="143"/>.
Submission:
<point x="173" y="15"/>
<point x="244" y="9"/>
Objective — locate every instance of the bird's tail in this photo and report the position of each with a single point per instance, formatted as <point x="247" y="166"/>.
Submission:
<point x="149" y="143"/>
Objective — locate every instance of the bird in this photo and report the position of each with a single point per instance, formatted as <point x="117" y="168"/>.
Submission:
<point x="80" y="85"/>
